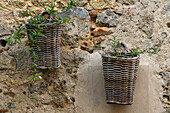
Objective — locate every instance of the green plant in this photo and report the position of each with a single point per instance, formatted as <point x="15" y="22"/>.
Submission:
<point x="69" y="5"/>
<point x="37" y="19"/>
<point x="116" y="44"/>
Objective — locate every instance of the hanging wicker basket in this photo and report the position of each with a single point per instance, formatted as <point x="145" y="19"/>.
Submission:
<point x="120" y="75"/>
<point x="49" y="52"/>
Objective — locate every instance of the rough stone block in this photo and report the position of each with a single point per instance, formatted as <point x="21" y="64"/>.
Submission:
<point x="22" y="57"/>
<point x="78" y="27"/>
<point x="7" y="61"/>
<point x="101" y="4"/>
<point x="81" y="2"/>
<point x="107" y="18"/>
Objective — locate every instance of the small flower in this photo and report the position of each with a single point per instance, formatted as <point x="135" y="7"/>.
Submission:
<point x="55" y="3"/>
<point x="156" y="47"/>
<point x="40" y="77"/>
<point x="29" y="17"/>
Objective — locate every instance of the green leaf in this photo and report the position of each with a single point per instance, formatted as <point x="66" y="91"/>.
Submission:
<point x="21" y="83"/>
<point x="38" y="74"/>
<point x="50" y="68"/>
<point x="159" y="49"/>
<point x="20" y="13"/>
<point x="29" y="14"/>
<point x="11" y="40"/>
<point x="34" y="32"/>
<point x="33" y="77"/>
<point x="41" y="34"/>
<point x="18" y="42"/>
<point x="43" y="4"/>
<point x="31" y="37"/>
<point x="17" y="83"/>
<point x="37" y="79"/>
<point x="26" y="41"/>
<point x="26" y="12"/>
<point x="35" y="65"/>
<point x="43" y="60"/>
<point x="34" y="54"/>
<point x="32" y="12"/>
<point x="38" y="47"/>
<point x="26" y="79"/>
<point x="103" y="47"/>
<point x="97" y="46"/>
<point x="30" y="48"/>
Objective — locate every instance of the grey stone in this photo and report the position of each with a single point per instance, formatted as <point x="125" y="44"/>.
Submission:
<point x="102" y="4"/>
<point x="78" y="55"/>
<point x="81" y="2"/>
<point x="22" y="57"/>
<point x="7" y="61"/>
<point x="166" y="90"/>
<point x="11" y="105"/>
<point x="166" y="8"/>
<point x="107" y="18"/>
<point x="88" y="7"/>
<point x="69" y="70"/>
<point x="3" y="30"/>
<point x="166" y="74"/>
<point x="108" y="12"/>
<point x="128" y="2"/>
<point x="78" y="12"/>
<point x="59" y="99"/>
<point x="167" y="110"/>
<point x="78" y="27"/>
<point x="72" y="58"/>
<point x="40" y="88"/>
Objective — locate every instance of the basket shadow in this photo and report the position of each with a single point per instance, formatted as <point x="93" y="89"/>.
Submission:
<point x="141" y="96"/>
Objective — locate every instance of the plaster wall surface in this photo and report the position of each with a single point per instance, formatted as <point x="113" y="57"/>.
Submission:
<point x="90" y="91"/>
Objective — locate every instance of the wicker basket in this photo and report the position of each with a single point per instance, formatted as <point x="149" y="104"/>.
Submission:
<point x="49" y="46"/>
<point x="120" y="75"/>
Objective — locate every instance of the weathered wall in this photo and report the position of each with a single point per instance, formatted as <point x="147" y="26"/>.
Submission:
<point x="73" y="88"/>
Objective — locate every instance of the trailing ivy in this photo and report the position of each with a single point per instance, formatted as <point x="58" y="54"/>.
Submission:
<point x="37" y="19"/>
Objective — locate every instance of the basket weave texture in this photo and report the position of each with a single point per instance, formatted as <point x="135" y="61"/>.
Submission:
<point x="49" y="46"/>
<point x="120" y="77"/>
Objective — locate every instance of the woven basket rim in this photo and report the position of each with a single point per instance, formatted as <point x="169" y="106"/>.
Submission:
<point x="43" y="24"/>
<point x="123" y="58"/>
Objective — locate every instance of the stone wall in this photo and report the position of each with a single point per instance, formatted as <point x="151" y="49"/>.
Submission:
<point x="143" y="24"/>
